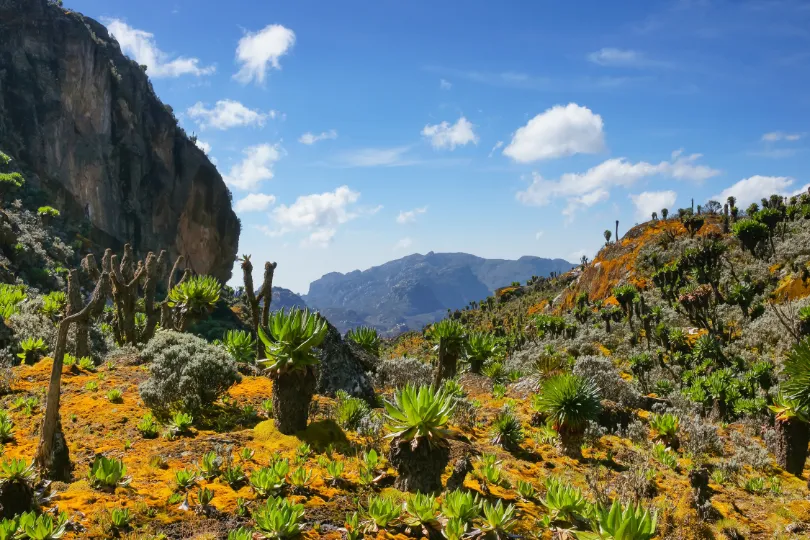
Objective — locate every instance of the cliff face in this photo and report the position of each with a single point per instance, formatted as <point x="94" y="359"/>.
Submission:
<point x="85" y="123"/>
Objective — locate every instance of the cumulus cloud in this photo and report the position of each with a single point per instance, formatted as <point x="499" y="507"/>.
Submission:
<point x="557" y="132"/>
<point x="319" y="214"/>
<point x="593" y="186"/>
<point x="254" y="202"/>
<point x="448" y="136"/>
<point x="255" y="168"/>
<point x="141" y="47"/>
<point x="227" y="114"/>
<point x="648" y="202"/>
<point x="755" y="188"/>
<point x="259" y="51"/>
<point x="204" y="146"/>
<point x="776" y="136"/>
<point x="410" y="216"/>
<point x="403" y="243"/>
<point x="310" y="138"/>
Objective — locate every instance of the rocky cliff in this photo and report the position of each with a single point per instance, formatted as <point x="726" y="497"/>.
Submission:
<point x="84" y="122"/>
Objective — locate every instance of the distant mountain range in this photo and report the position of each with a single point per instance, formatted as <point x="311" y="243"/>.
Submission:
<point x="408" y="293"/>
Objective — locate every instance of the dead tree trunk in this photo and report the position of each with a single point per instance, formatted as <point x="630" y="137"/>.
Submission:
<point x="253" y="303"/>
<point x="267" y="291"/>
<point x="53" y="457"/>
<point x="447" y="365"/>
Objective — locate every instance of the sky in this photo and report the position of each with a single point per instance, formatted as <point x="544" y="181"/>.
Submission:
<point x="352" y="133"/>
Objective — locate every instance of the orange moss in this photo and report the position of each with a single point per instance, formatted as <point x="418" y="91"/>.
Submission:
<point x="252" y="388"/>
<point x="792" y="288"/>
<point x="539" y="307"/>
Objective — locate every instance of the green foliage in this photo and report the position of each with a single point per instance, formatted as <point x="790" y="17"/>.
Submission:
<point x="349" y="410"/>
<point x="16" y="470"/>
<point x="569" y="401"/>
<point x="107" y="473"/>
<point x="292" y="336"/>
<point x="383" y="510"/>
<point x="549" y="324"/>
<point x="48" y="211"/>
<point x="563" y="501"/>
<point x="526" y="490"/>
<point x="461" y="505"/>
<point x="148" y="427"/>
<point x="279" y="518"/>
<point x="240" y="345"/>
<point x="507" y="430"/>
<point x="421" y="413"/>
<point x="184" y="479"/>
<point x="233" y="475"/>
<point x="210" y="465"/>
<point x="629" y="522"/>
<point x="453" y="333"/>
<point x="454" y="529"/>
<point x="6" y="427"/>
<point x="755" y="485"/>
<point x="480" y="348"/>
<point x="195" y="297"/>
<point x="750" y="233"/>
<point x="121" y="518"/>
<point x="181" y="423"/>
<point x="242" y="533"/>
<point x="11" y="181"/>
<point x="115" y="396"/>
<point x="41" y="527"/>
<point x="300" y="477"/>
<point x="665" y="427"/>
<point x="499" y="518"/>
<point x="11" y="296"/>
<point x="269" y="480"/>
<point x="367" y="338"/>
<point x="797" y="371"/>
<point x="32" y="349"/>
<point x="334" y="470"/>
<point x="664" y="455"/>
<point x="421" y="510"/>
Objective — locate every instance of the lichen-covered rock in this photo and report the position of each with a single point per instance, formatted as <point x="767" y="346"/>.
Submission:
<point x="85" y="125"/>
<point x="343" y="367"/>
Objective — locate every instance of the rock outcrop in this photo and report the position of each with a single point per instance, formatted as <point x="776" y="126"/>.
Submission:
<point x="84" y="123"/>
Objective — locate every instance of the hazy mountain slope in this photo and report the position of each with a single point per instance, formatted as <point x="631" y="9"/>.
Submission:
<point x="418" y="289"/>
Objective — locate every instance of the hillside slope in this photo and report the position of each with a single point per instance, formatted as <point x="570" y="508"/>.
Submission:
<point x="408" y="293"/>
<point x="85" y="125"/>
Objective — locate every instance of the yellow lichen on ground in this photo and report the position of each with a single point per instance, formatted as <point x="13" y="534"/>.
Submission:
<point x="792" y="287"/>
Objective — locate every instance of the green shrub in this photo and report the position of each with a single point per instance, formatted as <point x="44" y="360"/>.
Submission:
<point x="499" y="518"/>
<point x="16" y="470"/>
<point x="233" y="475"/>
<point x="240" y="345"/>
<point x="664" y="455"/>
<point x="42" y="527"/>
<point x="507" y="431"/>
<point x="115" y="396"/>
<point x="195" y="297"/>
<point x="48" y="211"/>
<point x="420" y="413"/>
<point x="181" y="423"/>
<point x="32" y="350"/>
<point x="564" y="502"/>
<point x="569" y="402"/>
<point x="120" y="518"/>
<point x="210" y="465"/>
<point x="750" y="233"/>
<point x="665" y="427"/>
<point x="462" y="505"/>
<point x="383" y="510"/>
<point x="278" y="518"/>
<point x="480" y="348"/>
<point x="186" y="372"/>
<point x="184" y="479"/>
<point x="349" y="411"/>
<point x="292" y="337"/>
<point x="267" y="481"/>
<point x="107" y="473"/>
<point x="629" y="522"/>
<point x="367" y="338"/>
<point x="11" y="296"/>
<point x="453" y="333"/>
<point x="148" y="427"/>
<point x="6" y="427"/>
<point x="421" y="510"/>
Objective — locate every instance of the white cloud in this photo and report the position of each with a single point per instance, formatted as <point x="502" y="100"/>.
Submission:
<point x="776" y="136"/>
<point x="310" y="138"/>
<point x="648" y="202"/>
<point x="498" y="145"/>
<point x="259" y="50"/>
<point x="376" y="157"/>
<point x="319" y="213"/>
<point x="755" y="188"/>
<point x="254" y="202"/>
<point x="613" y="57"/>
<point x="204" y="146"/>
<point x="591" y="187"/>
<point x="449" y="136"/>
<point x="403" y="243"/>
<point x="141" y="47"/>
<point x="256" y="167"/>
<point x="410" y="216"/>
<point x="557" y="132"/>
<point x="539" y="234"/>
<point x="444" y="84"/>
<point x="227" y="114"/>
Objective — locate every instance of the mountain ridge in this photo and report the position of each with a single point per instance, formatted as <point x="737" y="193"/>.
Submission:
<point x="415" y="290"/>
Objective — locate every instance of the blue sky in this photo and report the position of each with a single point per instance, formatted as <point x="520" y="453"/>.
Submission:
<point x="352" y="133"/>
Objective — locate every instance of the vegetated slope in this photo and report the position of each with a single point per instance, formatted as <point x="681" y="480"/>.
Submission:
<point x="85" y="125"/>
<point x="693" y="316"/>
<point x="408" y="293"/>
